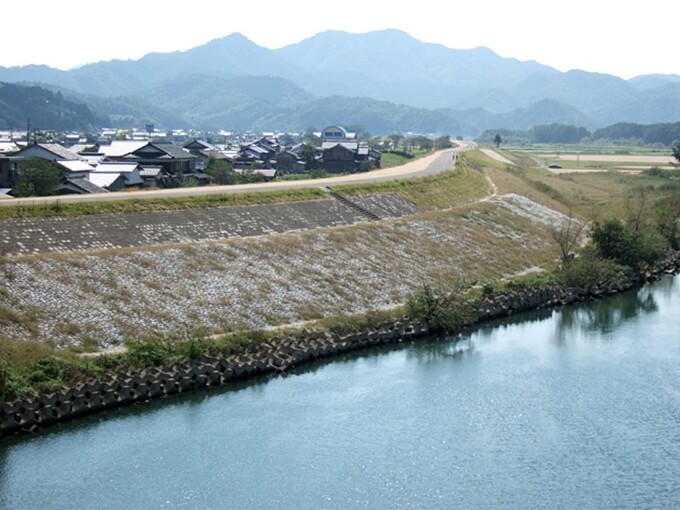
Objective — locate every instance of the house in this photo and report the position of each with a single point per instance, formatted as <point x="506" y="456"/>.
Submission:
<point x="74" y="168"/>
<point x="111" y="181"/>
<point x="204" y="152"/>
<point x="288" y="162"/>
<point x="151" y="175"/>
<point x="343" y="153"/>
<point x="337" y="134"/>
<point x="79" y="186"/>
<point x="117" y="176"/>
<point x="49" y="151"/>
<point x="340" y="157"/>
<point x="174" y="160"/>
<point x="69" y="164"/>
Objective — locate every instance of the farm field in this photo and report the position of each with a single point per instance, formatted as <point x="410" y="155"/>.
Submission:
<point x="590" y="159"/>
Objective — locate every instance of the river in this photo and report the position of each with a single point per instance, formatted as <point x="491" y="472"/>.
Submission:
<point x="574" y="408"/>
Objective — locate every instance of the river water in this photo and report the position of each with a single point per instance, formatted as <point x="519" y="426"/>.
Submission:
<point x="576" y="408"/>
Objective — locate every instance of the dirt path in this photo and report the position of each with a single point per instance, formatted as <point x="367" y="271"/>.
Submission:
<point x="494" y="155"/>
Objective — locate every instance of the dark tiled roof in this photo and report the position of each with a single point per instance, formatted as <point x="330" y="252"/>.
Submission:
<point x="86" y="186"/>
<point x="174" y="151"/>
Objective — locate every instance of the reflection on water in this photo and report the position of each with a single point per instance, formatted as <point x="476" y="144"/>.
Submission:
<point x="520" y="414"/>
<point x="601" y="318"/>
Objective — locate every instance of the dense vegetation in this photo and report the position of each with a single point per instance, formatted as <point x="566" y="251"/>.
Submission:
<point x="622" y="133"/>
<point x="45" y="109"/>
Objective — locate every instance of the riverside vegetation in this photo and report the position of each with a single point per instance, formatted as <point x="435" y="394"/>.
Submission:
<point x="516" y="233"/>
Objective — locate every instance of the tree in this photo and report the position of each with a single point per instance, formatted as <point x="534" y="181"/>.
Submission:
<point x="220" y="171"/>
<point x="443" y="142"/>
<point x="667" y="216"/>
<point x="36" y="177"/>
<point x="676" y="153"/>
<point x="310" y="138"/>
<point x="497" y="141"/>
<point x="308" y="154"/>
<point x="616" y="241"/>
<point x="567" y="236"/>
<point x="396" y="139"/>
<point x="637" y="209"/>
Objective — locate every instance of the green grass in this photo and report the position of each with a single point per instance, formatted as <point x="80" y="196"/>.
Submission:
<point x="390" y="160"/>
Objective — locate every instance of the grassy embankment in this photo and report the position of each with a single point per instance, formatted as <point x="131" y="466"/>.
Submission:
<point x="30" y="365"/>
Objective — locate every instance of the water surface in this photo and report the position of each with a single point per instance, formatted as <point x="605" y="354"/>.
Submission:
<point x="575" y="408"/>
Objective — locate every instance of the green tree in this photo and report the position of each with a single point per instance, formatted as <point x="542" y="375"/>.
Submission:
<point x="395" y="139"/>
<point x="220" y="171"/>
<point x="667" y="216"/>
<point x="616" y="241"/>
<point x="308" y="154"/>
<point x="497" y="140"/>
<point x="676" y="153"/>
<point x="443" y="142"/>
<point x="36" y="177"/>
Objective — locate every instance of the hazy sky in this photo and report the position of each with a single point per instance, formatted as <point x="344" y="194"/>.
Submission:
<point x="620" y="38"/>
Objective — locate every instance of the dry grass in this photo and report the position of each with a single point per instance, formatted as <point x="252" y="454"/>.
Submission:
<point x="285" y="278"/>
<point x="463" y="185"/>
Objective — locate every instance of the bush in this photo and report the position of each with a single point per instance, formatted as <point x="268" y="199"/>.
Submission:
<point x="615" y="241"/>
<point x="589" y="270"/>
<point x="149" y="353"/>
<point x="447" y="312"/>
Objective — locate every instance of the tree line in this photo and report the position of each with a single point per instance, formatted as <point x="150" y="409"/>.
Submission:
<point x="623" y="133"/>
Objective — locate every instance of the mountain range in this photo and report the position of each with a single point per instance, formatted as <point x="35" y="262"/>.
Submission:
<point x="385" y="81"/>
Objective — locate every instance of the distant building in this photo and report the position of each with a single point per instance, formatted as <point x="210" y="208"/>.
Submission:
<point x="342" y="153"/>
<point x="173" y="159"/>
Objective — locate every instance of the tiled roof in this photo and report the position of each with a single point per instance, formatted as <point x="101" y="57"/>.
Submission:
<point x="60" y="151"/>
<point x="86" y="185"/>
<point x="174" y="151"/>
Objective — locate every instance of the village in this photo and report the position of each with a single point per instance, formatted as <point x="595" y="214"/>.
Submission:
<point x="150" y="159"/>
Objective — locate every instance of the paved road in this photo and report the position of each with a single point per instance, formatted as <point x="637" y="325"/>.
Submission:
<point x="436" y="163"/>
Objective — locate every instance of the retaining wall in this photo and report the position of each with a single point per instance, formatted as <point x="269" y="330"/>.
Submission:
<point x="26" y="415"/>
<point x="26" y="236"/>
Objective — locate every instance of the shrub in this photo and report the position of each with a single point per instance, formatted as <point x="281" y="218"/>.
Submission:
<point x="615" y="241"/>
<point x="447" y="312"/>
<point x="148" y="353"/>
<point x="590" y="270"/>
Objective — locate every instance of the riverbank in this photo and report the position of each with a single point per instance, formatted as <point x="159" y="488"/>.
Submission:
<point x="278" y="355"/>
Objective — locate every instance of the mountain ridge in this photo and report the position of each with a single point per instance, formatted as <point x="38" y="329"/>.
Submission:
<point x="472" y="88"/>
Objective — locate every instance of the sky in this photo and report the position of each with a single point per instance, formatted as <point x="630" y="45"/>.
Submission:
<point x="625" y="39"/>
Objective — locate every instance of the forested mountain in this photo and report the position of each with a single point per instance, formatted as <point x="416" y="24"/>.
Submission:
<point x="45" y="109"/>
<point x="232" y="83"/>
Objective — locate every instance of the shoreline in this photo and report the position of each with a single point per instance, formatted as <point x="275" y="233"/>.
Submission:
<point x="27" y="415"/>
